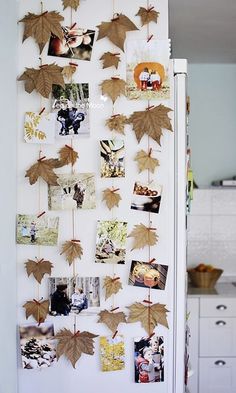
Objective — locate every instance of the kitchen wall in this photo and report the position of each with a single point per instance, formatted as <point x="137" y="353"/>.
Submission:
<point x="212" y="90"/>
<point x="212" y="229"/>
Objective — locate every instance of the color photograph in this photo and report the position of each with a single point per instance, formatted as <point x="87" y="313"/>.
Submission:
<point x="38" y="348"/>
<point x="146" y="197"/>
<point x="110" y="242"/>
<point x="75" y="192"/>
<point x="148" y="69"/>
<point x="73" y="295"/>
<point x="34" y="230"/>
<point x="112" y="353"/>
<point x="71" y="106"/>
<point x="76" y="44"/>
<point x="112" y="158"/>
<point x="148" y="275"/>
<point x="149" y="359"/>
<point x="39" y="128"/>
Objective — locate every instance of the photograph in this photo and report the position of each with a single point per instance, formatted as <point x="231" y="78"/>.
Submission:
<point x="73" y="295"/>
<point x="38" y="347"/>
<point x="40" y="128"/>
<point x="112" y="353"/>
<point x="146" y="197"/>
<point x="149" y="359"/>
<point x="76" y="44"/>
<point x="112" y="158"/>
<point x="110" y="242"/>
<point x="34" y="230"/>
<point x="148" y="275"/>
<point x="148" y="69"/>
<point x="71" y="105"/>
<point x="75" y="191"/>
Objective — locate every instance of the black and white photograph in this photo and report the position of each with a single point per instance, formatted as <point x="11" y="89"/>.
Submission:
<point x="71" y="105"/>
<point x="146" y="197"/>
<point x="149" y="359"/>
<point x="73" y="295"/>
<point x="148" y="275"/>
<point x="38" y="347"/>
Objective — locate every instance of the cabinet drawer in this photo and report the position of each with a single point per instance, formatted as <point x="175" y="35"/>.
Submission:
<point x="217" y="337"/>
<point x="217" y="375"/>
<point x="218" y="307"/>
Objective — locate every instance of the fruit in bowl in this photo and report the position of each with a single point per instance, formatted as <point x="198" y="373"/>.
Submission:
<point x="204" y="268"/>
<point x="204" y="276"/>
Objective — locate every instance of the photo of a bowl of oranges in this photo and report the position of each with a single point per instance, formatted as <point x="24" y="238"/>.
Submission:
<point x="204" y="276"/>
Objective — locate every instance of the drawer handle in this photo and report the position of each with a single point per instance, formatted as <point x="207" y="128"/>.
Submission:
<point x="220" y="363"/>
<point x="221" y="307"/>
<point x="220" y="323"/>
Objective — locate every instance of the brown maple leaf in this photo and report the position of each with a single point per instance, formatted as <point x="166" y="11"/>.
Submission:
<point x="38" y="310"/>
<point x="147" y="15"/>
<point x="68" y="71"/>
<point x="111" y="197"/>
<point x="143" y="236"/>
<point x="151" y="122"/>
<point x="72" y="345"/>
<point x="146" y="161"/>
<point x="40" y="27"/>
<point x="111" y="320"/>
<point x="117" y="123"/>
<point x="42" y="79"/>
<point x="72" y="250"/>
<point x="67" y="156"/>
<point x="116" y="30"/>
<point x="113" y="87"/>
<point x="110" y="60"/>
<point x="71" y="3"/>
<point x="112" y="286"/>
<point x="38" y="269"/>
<point x="149" y="316"/>
<point x="43" y="168"/>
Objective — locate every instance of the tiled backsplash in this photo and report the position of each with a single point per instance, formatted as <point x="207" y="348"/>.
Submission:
<point x="212" y="229"/>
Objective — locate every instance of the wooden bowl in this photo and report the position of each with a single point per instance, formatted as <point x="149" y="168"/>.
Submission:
<point x="204" y="279"/>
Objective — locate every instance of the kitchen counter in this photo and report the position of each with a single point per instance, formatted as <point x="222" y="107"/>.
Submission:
<point x="223" y="289"/>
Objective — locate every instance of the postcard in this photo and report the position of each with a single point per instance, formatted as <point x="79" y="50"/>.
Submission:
<point x="110" y="242"/>
<point x="146" y="197"/>
<point x="36" y="230"/>
<point x="112" y="353"/>
<point x="112" y="158"/>
<point x="148" y="275"/>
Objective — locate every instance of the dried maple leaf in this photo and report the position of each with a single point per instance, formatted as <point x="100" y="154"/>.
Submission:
<point x="42" y="79"/>
<point x="67" y="156"/>
<point x="147" y="15"/>
<point x="43" y="168"/>
<point x="116" y="30"/>
<point x="68" y="71"/>
<point x="111" y="320"/>
<point x="146" y="161"/>
<point x="110" y="60"/>
<point x="149" y="316"/>
<point x="117" y="123"/>
<point x="72" y="250"/>
<point x="38" y="310"/>
<point x="71" y="3"/>
<point x="113" y="87"/>
<point x="111" y="197"/>
<point x="40" y="27"/>
<point x="72" y="345"/>
<point x="143" y="236"/>
<point x="112" y="286"/>
<point x="38" y="269"/>
<point x="151" y="122"/>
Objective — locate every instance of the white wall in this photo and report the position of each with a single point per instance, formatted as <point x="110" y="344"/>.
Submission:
<point x="212" y="89"/>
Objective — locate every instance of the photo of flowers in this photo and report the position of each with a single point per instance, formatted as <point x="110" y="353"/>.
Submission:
<point x="76" y="44"/>
<point x="112" y="158"/>
<point x="148" y="69"/>
<point x="112" y="353"/>
<point x="149" y="359"/>
<point x="146" y="197"/>
<point x="39" y="128"/>
<point x="110" y="242"/>
<point x="148" y="275"/>
<point x="71" y="105"/>
<point x="34" y="230"/>
<point x="75" y="191"/>
<point x="38" y="348"/>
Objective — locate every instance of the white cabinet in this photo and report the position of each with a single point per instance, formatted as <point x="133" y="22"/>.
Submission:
<point x="217" y="375"/>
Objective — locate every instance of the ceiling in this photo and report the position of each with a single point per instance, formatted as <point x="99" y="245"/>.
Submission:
<point x="203" y="31"/>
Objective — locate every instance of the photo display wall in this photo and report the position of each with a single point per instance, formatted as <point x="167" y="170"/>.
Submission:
<point x="94" y="223"/>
